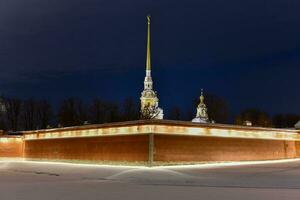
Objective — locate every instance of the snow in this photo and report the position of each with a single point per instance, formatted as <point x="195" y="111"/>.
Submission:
<point x="49" y="181"/>
<point x="297" y="125"/>
<point x="198" y="120"/>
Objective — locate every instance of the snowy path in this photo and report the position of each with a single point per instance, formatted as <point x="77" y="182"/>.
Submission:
<point x="48" y="181"/>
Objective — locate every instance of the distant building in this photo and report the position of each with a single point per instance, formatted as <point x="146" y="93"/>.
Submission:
<point x="297" y="125"/>
<point x="149" y="100"/>
<point x="247" y="123"/>
<point x="201" y="116"/>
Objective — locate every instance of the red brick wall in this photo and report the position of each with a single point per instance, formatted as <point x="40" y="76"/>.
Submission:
<point x="196" y="149"/>
<point x="297" y="146"/>
<point x="11" y="147"/>
<point x="109" y="148"/>
<point x="167" y="148"/>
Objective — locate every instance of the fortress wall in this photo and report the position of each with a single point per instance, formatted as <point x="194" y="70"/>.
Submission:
<point x="156" y="142"/>
<point x="129" y="148"/>
<point x="11" y="147"/>
<point x="297" y="146"/>
<point x="173" y="148"/>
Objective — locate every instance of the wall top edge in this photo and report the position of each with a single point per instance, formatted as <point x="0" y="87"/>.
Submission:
<point x="11" y="136"/>
<point x="159" y="122"/>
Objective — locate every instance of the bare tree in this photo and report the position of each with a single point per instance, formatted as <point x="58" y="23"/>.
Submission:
<point x="175" y="113"/>
<point x="72" y="112"/>
<point x="256" y="116"/>
<point x="28" y="116"/>
<point x="44" y="114"/>
<point x="285" y="120"/>
<point x="103" y="111"/>
<point x="12" y="111"/>
<point x="130" y="110"/>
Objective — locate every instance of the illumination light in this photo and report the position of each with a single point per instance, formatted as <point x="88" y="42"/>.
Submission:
<point x="169" y="130"/>
<point x="230" y="164"/>
<point x="195" y="166"/>
<point x="7" y="140"/>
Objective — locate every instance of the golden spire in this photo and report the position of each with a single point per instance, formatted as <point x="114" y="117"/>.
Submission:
<point x="148" y="61"/>
<point x="202" y="97"/>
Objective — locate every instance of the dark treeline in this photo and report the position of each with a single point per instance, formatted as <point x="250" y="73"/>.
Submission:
<point x="30" y="114"/>
<point x="263" y="119"/>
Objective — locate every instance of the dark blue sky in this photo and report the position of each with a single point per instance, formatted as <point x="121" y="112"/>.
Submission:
<point x="245" y="51"/>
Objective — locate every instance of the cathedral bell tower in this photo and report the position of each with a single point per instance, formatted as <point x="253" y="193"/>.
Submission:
<point x="201" y="116"/>
<point x="149" y="100"/>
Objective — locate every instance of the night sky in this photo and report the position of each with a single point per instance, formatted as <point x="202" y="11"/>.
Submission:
<point x="247" y="52"/>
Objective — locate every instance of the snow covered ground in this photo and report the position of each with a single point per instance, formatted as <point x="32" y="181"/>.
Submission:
<point x="56" y="181"/>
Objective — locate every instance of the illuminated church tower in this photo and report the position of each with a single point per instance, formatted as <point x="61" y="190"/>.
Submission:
<point x="149" y="100"/>
<point x="201" y="116"/>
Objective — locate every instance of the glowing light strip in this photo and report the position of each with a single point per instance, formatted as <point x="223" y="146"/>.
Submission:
<point x="194" y="166"/>
<point x="229" y="164"/>
<point x="7" y="140"/>
<point x="23" y="160"/>
<point x="222" y="132"/>
<point x="129" y="130"/>
<point x="169" y="130"/>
